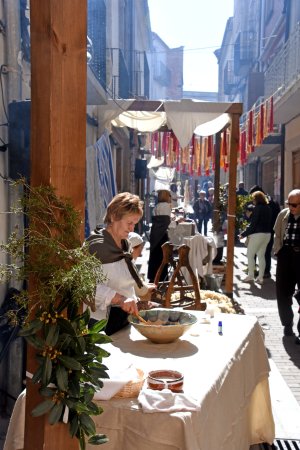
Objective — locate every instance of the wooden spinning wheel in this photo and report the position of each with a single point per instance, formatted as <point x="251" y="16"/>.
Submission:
<point x="177" y="281"/>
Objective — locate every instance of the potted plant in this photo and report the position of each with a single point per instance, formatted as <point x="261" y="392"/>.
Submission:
<point x="62" y="275"/>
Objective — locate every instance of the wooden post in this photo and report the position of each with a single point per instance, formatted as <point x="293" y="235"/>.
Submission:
<point x="217" y="225"/>
<point x="58" y="143"/>
<point x="234" y="143"/>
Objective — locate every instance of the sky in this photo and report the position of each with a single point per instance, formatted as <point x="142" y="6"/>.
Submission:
<point x="199" y="26"/>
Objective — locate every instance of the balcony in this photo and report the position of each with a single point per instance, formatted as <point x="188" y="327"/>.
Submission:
<point x="243" y="51"/>
<point x="282" y="80"/>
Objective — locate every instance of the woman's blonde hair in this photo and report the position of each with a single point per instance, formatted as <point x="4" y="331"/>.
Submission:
<point x="260" y="198"/>
<point x="163" y="195"/>
<point x="121" y="205"/>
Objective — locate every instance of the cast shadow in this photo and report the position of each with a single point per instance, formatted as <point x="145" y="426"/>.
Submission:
<point x="292" y="349"/>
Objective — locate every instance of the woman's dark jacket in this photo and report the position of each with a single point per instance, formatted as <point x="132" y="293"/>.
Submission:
<point x="260" y="221"/>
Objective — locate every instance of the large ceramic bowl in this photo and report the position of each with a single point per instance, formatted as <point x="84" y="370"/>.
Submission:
<point x="164" y="325"/>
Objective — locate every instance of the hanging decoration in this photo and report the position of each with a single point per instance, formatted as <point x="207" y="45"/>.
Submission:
<point x="257" y="126"/>
<point x="196" y="159"/>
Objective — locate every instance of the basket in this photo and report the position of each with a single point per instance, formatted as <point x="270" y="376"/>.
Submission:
<point x="132" y="388"/>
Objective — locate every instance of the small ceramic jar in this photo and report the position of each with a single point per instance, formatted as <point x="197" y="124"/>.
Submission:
<point x="165" y="379"/>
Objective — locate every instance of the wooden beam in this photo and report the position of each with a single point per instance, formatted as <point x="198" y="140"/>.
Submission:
<point x="58" y="143"/>
<point x="234" y="143"/>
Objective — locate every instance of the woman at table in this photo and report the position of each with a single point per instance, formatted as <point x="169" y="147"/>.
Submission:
<point x="115" y="298"/>
<point x="161" y="219"/>
<point x="259" y="233"/>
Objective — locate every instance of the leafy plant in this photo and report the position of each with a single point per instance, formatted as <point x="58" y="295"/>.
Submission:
<point x="241" y="202"/>
<point x="61" y="276"/>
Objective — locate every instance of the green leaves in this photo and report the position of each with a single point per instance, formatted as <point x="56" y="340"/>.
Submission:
<point x="55" y="413"/>
<point x="63" y="275"/>
<point x="98" y="439"/>
<point x="69" y="362"/>
<point x="98" y="326"/>
<point x="87" y="424"/>
<point x="46" y="371"/>
<point x="52" y="335"/>
<point x="42" y="408"/>
<point x="61" y="378"/>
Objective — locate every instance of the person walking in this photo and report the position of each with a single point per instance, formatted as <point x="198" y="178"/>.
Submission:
<point x="161" y="219"/>
<point x="287" y="250"/>
<point x="202" y="209"/>
<point x="258" y="232"/>
<point x="275" y="210"/>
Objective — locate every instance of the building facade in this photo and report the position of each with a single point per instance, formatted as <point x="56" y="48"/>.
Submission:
<point x="258" y="63"/>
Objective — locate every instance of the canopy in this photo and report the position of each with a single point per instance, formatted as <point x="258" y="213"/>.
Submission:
<point x="185" y="117"/>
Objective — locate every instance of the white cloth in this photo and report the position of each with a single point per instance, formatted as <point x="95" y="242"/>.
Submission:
<point x="118" y="280"/>
<point x="162" y="209"/>
<point x="184" y="116"/>
<point x="163" y="177"/>
<point x="15" y="432"/>
<point x="107" y="113"/>
<point x="120" y="372"/>
<point x="213" y="126"/>
<point x="226" y="375"/>
<point x="166" y="401"/>
<point x="141" y="120"/>
<point x="199" y="245"/>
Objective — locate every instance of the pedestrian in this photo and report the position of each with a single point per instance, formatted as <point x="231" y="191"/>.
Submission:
<point x="241" y="190"/>
<point x="161" y="219"/>
<point x="287" y="250"/>
<point x="259" y="232"/>
<point x="174" y="195"/>
<point x="202" y="209"/>
<point x="275" y="209"/>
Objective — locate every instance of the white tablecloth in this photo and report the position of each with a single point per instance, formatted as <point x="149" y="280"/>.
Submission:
<point x="227" y="375"/>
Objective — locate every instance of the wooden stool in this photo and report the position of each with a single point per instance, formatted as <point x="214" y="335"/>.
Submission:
<point x="176" y="283"/>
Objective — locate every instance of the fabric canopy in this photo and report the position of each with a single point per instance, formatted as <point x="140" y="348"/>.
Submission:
<point x="141" y="120"/>
<point x="185" y="117"/>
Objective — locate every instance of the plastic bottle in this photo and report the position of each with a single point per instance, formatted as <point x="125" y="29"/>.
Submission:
<point x="220" y="328"/>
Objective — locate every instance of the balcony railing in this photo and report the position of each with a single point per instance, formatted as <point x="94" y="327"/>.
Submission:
<point x="285" y="69"/>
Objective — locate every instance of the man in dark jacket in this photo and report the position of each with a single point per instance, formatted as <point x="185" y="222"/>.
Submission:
<point x="287" y="250"/>
<point x="202" y="209"/>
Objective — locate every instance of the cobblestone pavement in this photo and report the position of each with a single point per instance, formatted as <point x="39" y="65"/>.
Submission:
<point x="261" y="301"/>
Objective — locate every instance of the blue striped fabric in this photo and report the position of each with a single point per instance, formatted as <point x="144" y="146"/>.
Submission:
<point x="100" y="182"/>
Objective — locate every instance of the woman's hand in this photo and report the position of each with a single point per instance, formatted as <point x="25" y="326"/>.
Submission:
<point x="127" y="304"/>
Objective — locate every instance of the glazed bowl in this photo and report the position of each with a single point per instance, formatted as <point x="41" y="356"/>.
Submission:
<point x="164" y="325"/>
<point x="165" y="379"/>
